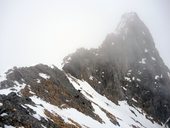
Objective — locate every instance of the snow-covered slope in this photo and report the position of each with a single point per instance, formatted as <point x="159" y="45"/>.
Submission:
<point x="126" y="116"/>
<point x="121" y="115"/>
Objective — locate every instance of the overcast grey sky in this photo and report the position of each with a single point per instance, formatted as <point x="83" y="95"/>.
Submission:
<point x="44" y="31"/>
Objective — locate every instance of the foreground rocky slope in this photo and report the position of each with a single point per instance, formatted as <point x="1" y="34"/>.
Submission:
<point x="122" y="84"/>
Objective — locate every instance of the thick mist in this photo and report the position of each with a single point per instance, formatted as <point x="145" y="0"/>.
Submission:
<point x="41" y="31"/>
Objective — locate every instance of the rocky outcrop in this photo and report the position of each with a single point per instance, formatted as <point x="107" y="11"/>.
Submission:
<point x="126" y="66"/>
<point x="47" y="83"/>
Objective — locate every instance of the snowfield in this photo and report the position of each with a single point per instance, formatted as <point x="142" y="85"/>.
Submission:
<point x="124" y="115"/>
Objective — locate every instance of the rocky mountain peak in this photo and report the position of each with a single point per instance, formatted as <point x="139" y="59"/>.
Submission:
<point x="127" y="18"/>
<point x="127" y="65"/>
<point x="132" y="31"/>
<point x="123" y="83"/>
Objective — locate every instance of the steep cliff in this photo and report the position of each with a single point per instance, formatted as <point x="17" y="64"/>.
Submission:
<point x="126" y="66"/>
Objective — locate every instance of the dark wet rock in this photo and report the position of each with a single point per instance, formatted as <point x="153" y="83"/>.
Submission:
<point x="126" y="66"/>
<point x="15" y="114"/>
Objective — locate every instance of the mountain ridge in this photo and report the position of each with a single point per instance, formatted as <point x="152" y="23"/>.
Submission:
<point x="130" y="48"/>
<point x="123" y="83"/>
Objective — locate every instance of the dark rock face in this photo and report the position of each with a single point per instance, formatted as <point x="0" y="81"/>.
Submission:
<point x="56" y="90"/>
<point x="12" y="113"/>
<point x="126" y="66"/>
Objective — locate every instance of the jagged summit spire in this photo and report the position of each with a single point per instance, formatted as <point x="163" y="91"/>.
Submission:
<point x="127" y="18"/>
<point x="131" y="31"/>
<point x="130" y="15"/>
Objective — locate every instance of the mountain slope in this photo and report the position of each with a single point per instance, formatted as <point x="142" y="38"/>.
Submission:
<point x="122" y="84"/>
<point x="23" y="106"/>
<point x="126" y="66"/>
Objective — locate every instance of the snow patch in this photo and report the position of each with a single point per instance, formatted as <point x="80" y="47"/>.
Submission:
<point x="45" y="76"/>
<point x="127" y="79"/>
<point x="43" y="126"/>
<point x="67" y="60"/>
<point x="128" y="73"/>
<point x="138" y="80"/>
<point x="17" y="88"/>
<point x="156" y="77"/>
<point x="8" y="126"/>
<point x="38" y="81"/>
<point x="67" y="100"/>
<point x="133" y="78"/>
<point x="62" y="105"/>
<point x="124" y="88"/>
<point x="51" y="66"/>
<point x="9" y="71"/>
<point x="1" y="104"/>
<point x="166" y="122"/>
<point x="22" y="80"/>
<point x="139" y="72"/>
<point x="143" y="61"/>
<point x="96" y="54"/>
<point x="31" y="92"/>
<point x="46" y="91"/>
<point x="4" y="114"/>
<point x="146" y="50"/>
<point x="153" y="58"/>
<point x="134" y="100"/>
<point x="91" y="78"/>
